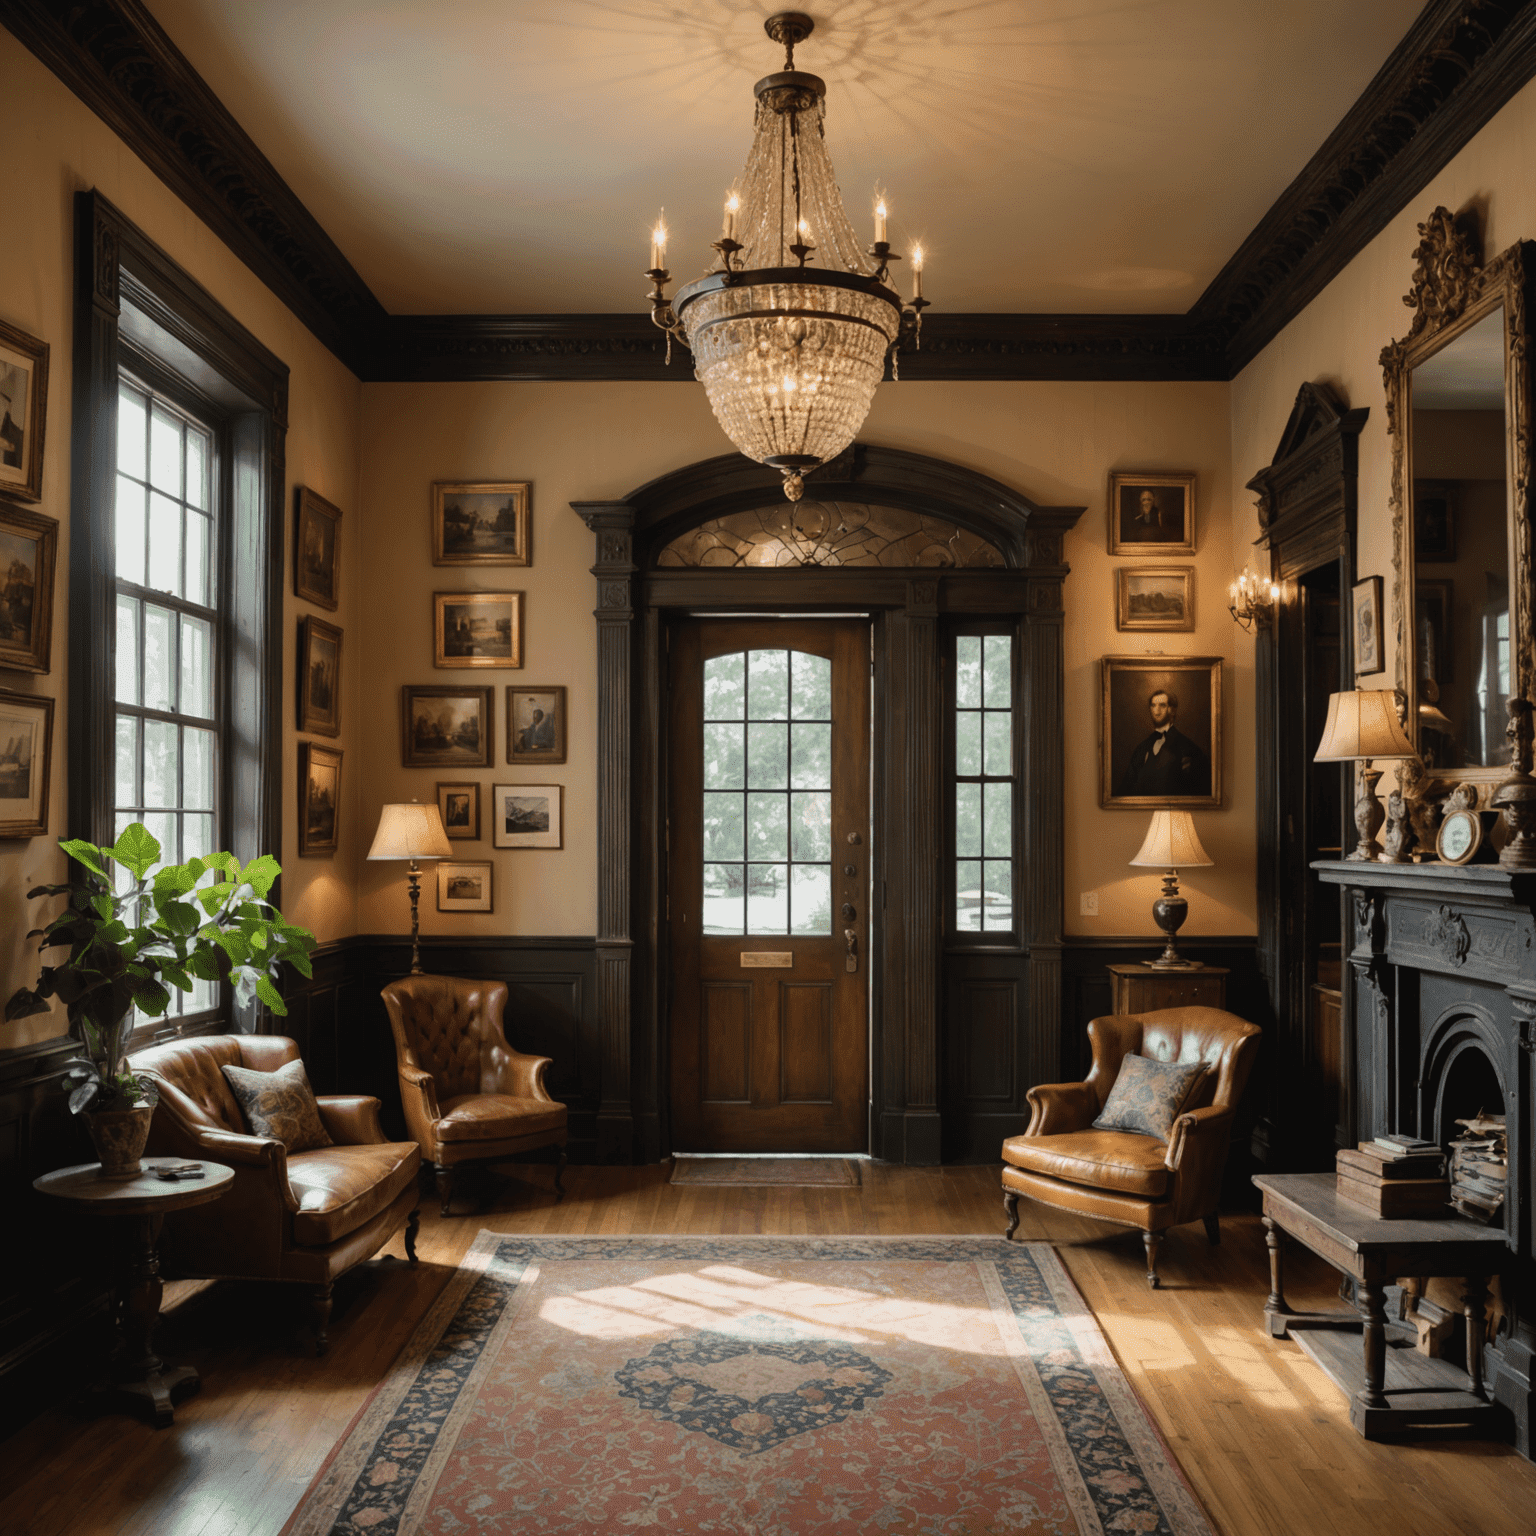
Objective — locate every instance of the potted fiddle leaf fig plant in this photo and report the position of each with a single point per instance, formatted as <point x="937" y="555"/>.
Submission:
<point x="132" y="939"/>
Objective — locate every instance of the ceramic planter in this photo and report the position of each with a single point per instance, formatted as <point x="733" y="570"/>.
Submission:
<point x="119" y="1136"/>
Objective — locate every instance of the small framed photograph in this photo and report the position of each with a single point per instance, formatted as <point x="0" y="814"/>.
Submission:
<point x="316" y="550"/>
<point x="319" y="798"/>
<point x="28" y="543"/>
<point x="1160" y="742"/>
<point x="1434" y="520"/>
<point x="459" y="806"/>
<point x="1365" y="611"/>
<point x="466" y="887"/>
<point x="477" y="629"/>
<point x="480" y="522"/>
<point x="536" y="725"/>
<point x="26" y="749"/>
<point x="444" y="727"/>
<point x="1151" y="514"/>
<point x="1155" y="597"/>
<point x="527" y="816"/>
<point x="23" y="414"/>
<point x="319" y="691"/>
<point x="1433" y="628"/>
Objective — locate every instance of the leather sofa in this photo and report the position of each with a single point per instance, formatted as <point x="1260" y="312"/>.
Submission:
<point x="468" y="1096"/>
<point x="304" y="1218"/>
<point x="1119" y="1176"/>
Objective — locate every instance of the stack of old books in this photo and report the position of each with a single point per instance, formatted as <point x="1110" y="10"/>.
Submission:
<point x="1480" y="1168"/>
<point x="1395" y="1177"/>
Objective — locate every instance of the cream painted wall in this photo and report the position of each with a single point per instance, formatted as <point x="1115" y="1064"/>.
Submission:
<point x="56" y="147"/>
<point x="1338" y="338"/>
<point x="1056" y="443"/>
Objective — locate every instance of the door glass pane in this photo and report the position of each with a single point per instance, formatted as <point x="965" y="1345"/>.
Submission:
<point x="811" y="686"/>
<point x="725" y="686"/>
<point x="999" y="895"/>
<point x="724" y="766"/>
<point x="968" y="742"/>
<point x="767" y="826"/>
<point x="767" y="685"/>
<point x="967" y="820"/>
<point x="723" y="894"/>
<point x="810" y="754"/>
<point x="767" y="755"/>
<point x="127" y="649"/>
<point x="999" y="822"/>
<point x="998" y="672"/>
<point x="159" y="657"/>
<point x="984" y="783"/>
<point x="811" y="826"/>
<point x="810" y="898"/>
<point x="767" y="898"/>
<point x="722" y="827"/>
<point x="999" y="734"/>
<point x="128" y="531"/>
<point x="968" y="671"/>
<point x="968" y="896"/>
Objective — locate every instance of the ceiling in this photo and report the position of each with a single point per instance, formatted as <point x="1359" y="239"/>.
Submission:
<point x="508" y="156"/>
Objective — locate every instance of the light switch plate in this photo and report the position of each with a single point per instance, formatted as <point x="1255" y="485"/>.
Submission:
<point x="1090" y="904"/>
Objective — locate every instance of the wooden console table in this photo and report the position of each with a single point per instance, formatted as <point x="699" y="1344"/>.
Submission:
<point x="1392" y="1387"/>
<point x="1141" y="988"/>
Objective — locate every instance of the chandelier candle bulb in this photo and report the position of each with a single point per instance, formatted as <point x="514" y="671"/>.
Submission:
<point x="732" y="206"/>
<point x="658" y="245"/>
<point x="917" y="271"/>
<point x="880" y="221"/>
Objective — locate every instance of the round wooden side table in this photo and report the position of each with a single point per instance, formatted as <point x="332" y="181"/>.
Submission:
<point x="142" y="1376"/>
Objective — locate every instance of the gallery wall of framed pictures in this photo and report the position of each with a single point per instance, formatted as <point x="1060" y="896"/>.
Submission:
<point x="318" y="687"/>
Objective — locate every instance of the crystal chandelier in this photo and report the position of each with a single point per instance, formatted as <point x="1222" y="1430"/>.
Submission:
<point x="788" y="352"/>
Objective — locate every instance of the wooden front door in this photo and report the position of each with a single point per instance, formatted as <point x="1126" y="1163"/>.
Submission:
<point x="769" y="875"/>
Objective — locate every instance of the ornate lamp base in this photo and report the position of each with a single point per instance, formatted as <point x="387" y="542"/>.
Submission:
<point x="1368" y="816"/>
<point x="1168" y="912"/>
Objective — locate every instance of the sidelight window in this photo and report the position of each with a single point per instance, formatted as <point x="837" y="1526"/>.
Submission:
<point x="984" y="781"/>
<point x="768" y="793"/>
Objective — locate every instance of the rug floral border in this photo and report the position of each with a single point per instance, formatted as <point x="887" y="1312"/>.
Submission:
<point x="1119" y="1476"/>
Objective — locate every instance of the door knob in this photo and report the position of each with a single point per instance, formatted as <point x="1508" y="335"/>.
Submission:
<point x="848" y="912"/>
<point x="851" y="938"/>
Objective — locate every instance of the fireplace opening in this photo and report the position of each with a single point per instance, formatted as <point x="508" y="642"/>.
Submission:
<point x="1470" y="1087"/>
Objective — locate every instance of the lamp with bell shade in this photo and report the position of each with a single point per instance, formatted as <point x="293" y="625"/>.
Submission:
<point x="1171" y="843"/>
<point x="1363" y="724"/>
<point x="411" y="831"/>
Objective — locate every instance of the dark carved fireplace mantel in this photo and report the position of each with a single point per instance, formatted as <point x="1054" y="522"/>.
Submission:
<point x="1442" y="964"/>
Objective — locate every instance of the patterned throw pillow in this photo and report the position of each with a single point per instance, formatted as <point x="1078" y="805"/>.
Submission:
<point x="1149" y="1096"/>
<point x="280" y="1104"/>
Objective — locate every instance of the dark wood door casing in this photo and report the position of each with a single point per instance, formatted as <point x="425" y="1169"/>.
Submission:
<point x="772" y="1059"/>
<point x="910" y="1118"/>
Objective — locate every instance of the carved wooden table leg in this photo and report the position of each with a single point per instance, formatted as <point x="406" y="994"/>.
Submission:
<point x="1275" y="1310"/>
<point x="143" y="1373"/>
<point x="1373" y="1308"/>
<point x="1472" y="1308"/>
<point x="1011" y="1206"/>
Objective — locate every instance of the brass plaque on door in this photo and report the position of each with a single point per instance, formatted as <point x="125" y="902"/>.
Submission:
<point x="765" y="959"/>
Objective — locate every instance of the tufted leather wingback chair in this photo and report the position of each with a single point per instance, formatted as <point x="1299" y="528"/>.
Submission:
<point x="468" y="1096"/>
<point x="303" y="1217"/>
<point x="1118" y="1176"/>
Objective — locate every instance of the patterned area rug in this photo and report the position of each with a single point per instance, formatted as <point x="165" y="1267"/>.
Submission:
<point x="787" y="1172"/>
<point x="754" y="1387"/>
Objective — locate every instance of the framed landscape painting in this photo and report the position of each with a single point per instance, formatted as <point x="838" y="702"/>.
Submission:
<point x="1160" y="742"/>
<point x="28" y="543"/>
<point x="536" y="725"/>
<point x="1151" y="514"/>
<point x="319" y="677"/>
<point x="458" y="805"/>
<point x="23" y="413"/>
<point x="319" y="798"/>
<point x="480" y="522"/>
<point x="477" y="629"/>
<point x="26" y="748"/>
<point x="527" y="816"/>
<point x="1155" y="597"/>
<point x="317" y="550"/>
<point x="443" y="727"/>
<point x="466" y="887"/>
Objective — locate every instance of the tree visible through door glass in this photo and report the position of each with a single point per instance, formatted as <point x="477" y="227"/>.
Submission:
<point x="768" y="793"/>
<point x="983" y="783"/>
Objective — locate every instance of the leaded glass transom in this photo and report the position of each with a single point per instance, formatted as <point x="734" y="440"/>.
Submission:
<point x="768" y="793"/>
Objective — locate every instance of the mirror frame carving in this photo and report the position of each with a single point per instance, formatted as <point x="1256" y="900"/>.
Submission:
<point x="1452" y="291"/>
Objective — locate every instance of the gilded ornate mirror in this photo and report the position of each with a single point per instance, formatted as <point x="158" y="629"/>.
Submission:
<point x="1458" y="416"/>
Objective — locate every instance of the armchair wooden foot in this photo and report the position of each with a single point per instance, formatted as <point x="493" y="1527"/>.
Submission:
<point x="1011" y="1206"/>
<point x="444" y="1177"/>
<point x="1213" y="1229"/>
<point x="412" y="1226"/>
<point x="560" y="1162"/>
<point x="1153" y="1241"/>
<point x="320" y="1316"/>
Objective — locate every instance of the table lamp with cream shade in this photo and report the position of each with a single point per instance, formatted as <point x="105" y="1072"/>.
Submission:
<point x="1171" y="843"/>
<point x="1362" y="725"/>
<point x="412" y="831"/>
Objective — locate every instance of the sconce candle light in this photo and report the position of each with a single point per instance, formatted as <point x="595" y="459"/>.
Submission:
<point x="1171" y="842"/>
<point x="415" y="832"/>
<point x="1252" y="600"/>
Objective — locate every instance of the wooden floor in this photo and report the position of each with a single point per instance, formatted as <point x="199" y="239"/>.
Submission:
<point x="1260" y="1432"/>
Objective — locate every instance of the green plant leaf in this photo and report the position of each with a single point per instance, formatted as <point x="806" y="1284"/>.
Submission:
<point x="151" y="997"/>
<point x="270" y="995"/>
<point x="175" y="879"/>
<point x="299" y="960"/>
<point x="136" y="849"/>
<point x="88" y="854"/>
<point x="260" y="873"/>
<point x="177" y="977"/>
<point x="181" y="917"/>
<point x="82" y="1096"/>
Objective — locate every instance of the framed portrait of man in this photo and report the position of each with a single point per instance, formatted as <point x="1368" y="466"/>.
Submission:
<point x="1160" y="741"/>
<point x="1151" y="514"/>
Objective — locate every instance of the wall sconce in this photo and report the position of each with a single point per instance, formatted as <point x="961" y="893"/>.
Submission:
<point x="1252" y="600"/>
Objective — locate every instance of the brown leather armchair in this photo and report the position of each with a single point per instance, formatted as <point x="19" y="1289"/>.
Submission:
<point x="468" y="1096"/>
<point x="304" y="1217"/>
<point x="1118" y="1176"/>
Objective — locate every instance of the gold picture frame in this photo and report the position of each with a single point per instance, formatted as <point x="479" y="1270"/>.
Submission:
<point x="458" y="804"/>
<point x="477" y="629"/>
<point x="446" y="726"/>
<point x="1186" y="770"/>
<point x="319" y="799"/>
<point x="1151" y="513"/>
<point x="23" y="413"/>
<point x="26" y="760"/>
<point x="1152" y="598"/>
<point x="481" y="522"/>
<point x="316" y="549"/>
<point x="536" y="723"/>
<point x="29" y="544"/>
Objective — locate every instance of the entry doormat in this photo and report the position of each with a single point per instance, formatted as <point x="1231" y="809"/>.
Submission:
<point x="784" y="1172"/>
<point x="753" y="1387"/>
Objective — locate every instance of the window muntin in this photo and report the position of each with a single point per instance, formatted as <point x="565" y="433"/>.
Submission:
<point x="767" y="807"/>
<point x="984" y="784"/>
<point x="167" y="720"/>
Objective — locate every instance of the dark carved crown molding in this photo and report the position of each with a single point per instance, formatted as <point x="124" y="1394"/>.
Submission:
<point x="1459" y="63"/>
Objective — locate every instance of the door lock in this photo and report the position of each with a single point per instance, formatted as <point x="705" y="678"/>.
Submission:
<point x="848" y="913"/>
<point x="851" y="937"/>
